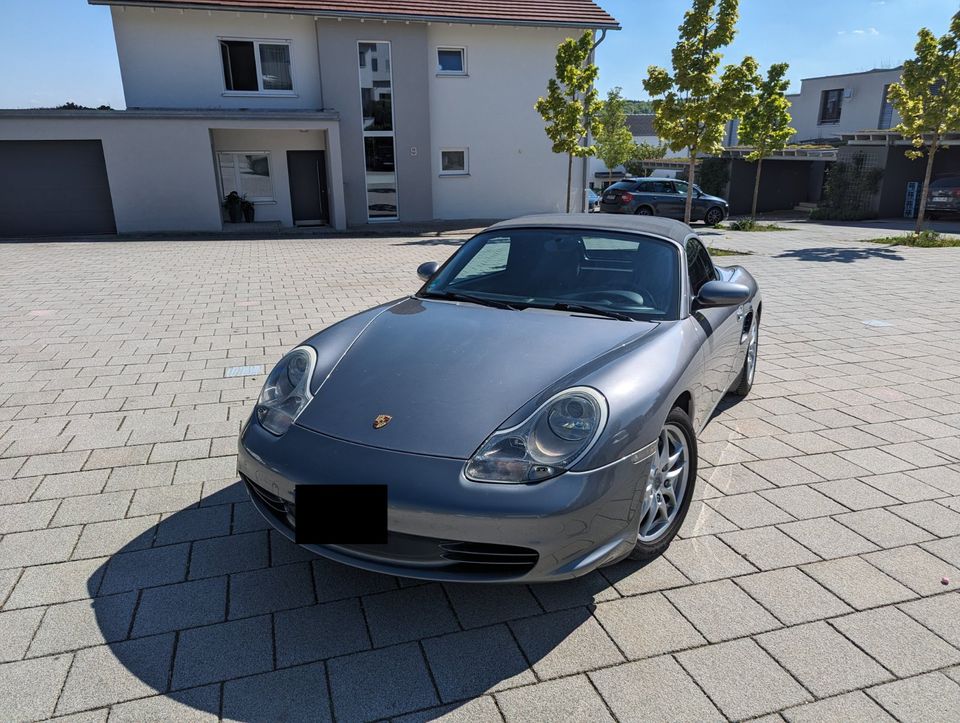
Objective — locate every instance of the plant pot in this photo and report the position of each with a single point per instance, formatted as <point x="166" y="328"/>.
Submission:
<point x="249" y="212"/>
<point x="235" y="214"/>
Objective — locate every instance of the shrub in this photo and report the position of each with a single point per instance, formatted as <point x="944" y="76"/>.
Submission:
<point x="848" y="191"/>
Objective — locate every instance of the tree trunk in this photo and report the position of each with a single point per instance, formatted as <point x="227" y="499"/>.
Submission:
<point x="756" y="190"/>
<point x="926" y="183"/>
<point x="691" y="171"/>
<point x="569" y="179"/>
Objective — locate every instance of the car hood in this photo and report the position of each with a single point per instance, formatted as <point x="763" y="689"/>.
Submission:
<point x="449" y="374"/>
<point x="712" y="199"/>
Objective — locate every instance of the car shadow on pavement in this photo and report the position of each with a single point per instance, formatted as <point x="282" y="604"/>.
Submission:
<point x="217" y="613"/>
<point x="844" y="255"/>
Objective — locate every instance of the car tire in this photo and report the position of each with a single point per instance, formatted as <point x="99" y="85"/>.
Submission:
<point x="744" y="383"/>
<point x="644" y="211"/>
<point x="713" y="216"/>
<point x="677" y="429"/>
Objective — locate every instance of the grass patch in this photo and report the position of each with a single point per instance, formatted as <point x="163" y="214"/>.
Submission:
<point x="727" y="252"/>
<point x="924" y="239"/>
<point x="751" y="224"/>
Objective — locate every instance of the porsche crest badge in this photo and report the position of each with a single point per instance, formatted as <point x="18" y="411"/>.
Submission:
<point x="381" y="421"/>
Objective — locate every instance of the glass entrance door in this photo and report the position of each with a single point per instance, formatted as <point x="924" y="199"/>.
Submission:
<point x="379" y="146"/>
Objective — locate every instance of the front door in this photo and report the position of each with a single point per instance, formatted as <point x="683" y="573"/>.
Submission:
<point x="308" y="187"/>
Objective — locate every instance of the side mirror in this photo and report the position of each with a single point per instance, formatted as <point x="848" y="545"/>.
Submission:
<point x="426" y="270"/>
<point x="722" y="293"/>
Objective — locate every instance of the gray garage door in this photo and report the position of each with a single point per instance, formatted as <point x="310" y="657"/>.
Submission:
<point x="54" y="188"/>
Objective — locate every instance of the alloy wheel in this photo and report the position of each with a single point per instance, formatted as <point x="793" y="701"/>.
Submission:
<point x="666" y="484"/>
<point x="714" y="216"/>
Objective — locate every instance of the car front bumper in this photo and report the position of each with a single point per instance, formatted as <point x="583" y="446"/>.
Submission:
<point x="442" y="526"/>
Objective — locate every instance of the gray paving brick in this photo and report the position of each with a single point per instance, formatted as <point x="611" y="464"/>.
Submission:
<point x="634" y="578"/>
<point x="145" y="568"/>
<point x="903" y="487"/>
<point x="945" y="479"/>
<point x="883" y="528"/>
<point x="107" y="538"/>
<point x="822" y="659"/>
<point x="403" y="683"/>
<point x="312" y="633"/>
<point x="848" y="708"/>
<point x="223" y="651"/>
<point x="304" y="696"/>
<point x="897" y="642"/>
<point x="20" y="549"/>
<point x="647" y="625"/>
<point x="565" y="642"/>
<point x="53" y="464"/>
<point x="29" y="688"/>
<point x="182" y="605"/>
<point x="721" y="611"/>
<point x="803" y="501"/>
<point x="26" y="516"/>
<point x="827" y="538"/>
<point x="933" y="517"/>
<point x="92" y="508"/>
<point x="83" y="623"/>
<point x="194" y="524"/>
<point x="947" y="549"/>
<point x="334" y="581"/>
<point x="830" y="465"/>
<point x="16" y="630"/>
<point x="140" y="475"/>
<point x="201" y="470"/>
<point x="854" y="494"/>
<point x="269" y="590"/>
<point x="571" y="699"/>
<point x="175" y="451"/>
<point x="71" y="484"/>
<point x="476" y="606"/>
<point x="411" y="613"/>
<point x="792" y="596"/>
<point x="586" y="590"/>
<point x="48" y="584"/>
<point x="749" y="510"/>
<point x="915" y="568"/>
<point x="742" y="679"/>
<point x="113" y="673"/>
<point x="702" y="559"/>
<point x="768" y="548"/>
<point x="196" y="704"/>
<point x="469" y="664"/>
<point x="858" y="583"/>
<point x="169" y="498"/>
<point x="702" y="519"/>
<point x="733" y="479"/>
<point x="924" y="698"/>
<point x="224" y="555"/>
<point x="940" y="613"/>
<point x="478" y="710"/>
<point x="18" y="490"/>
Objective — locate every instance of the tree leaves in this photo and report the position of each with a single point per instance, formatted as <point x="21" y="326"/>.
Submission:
<point x="571" y="102"/>
<point x="612" y="138"/>
<point x="766" y="124"/>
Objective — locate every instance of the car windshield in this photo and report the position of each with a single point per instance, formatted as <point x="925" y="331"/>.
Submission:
<point x="945" y="183"/>
<point x="622" y="275"/>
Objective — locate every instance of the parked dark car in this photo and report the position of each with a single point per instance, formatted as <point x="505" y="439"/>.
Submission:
<point x="944" y="197"/>
<point x="662" y="197"/>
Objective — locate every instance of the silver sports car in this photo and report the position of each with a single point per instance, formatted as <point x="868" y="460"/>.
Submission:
<point x="530" y="414"/>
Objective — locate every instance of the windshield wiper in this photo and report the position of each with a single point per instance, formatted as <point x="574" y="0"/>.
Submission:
<point x="457" y="296"/>
<point x="587" y="309"/>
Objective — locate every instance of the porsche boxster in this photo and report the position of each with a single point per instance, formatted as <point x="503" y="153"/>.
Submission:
<point x="529" y="414"/>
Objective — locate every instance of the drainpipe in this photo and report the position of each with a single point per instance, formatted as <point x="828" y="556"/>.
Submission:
<point x="584" y="207"/>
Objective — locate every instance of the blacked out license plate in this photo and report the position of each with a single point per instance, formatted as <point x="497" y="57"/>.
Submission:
<point x="341" y="514"/>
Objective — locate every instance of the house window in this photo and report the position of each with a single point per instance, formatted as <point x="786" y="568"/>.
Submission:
<point x="453" y="162"/>
<point x="254" y="66"/>
<point x="379" y="144"/>
<point x="247" y="173"/>
<point x="830" y="102"/>
<point x="451" y="61"/>
<point x="886" y="110"/>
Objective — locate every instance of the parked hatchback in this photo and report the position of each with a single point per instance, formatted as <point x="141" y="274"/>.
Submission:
<point x="662" y="197"/>
<point x="944" y="197"/>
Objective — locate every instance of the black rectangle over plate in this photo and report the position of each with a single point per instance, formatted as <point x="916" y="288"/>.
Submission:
<point x="341" y="514"/>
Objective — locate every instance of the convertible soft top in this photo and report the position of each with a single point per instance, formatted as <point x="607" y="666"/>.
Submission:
<point x="665" y="227"/>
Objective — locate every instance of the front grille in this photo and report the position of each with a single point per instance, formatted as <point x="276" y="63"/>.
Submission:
<point x="483" y="554"/>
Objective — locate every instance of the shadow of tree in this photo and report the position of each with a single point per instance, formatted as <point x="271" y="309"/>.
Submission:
<point x="218" y="613"/>
<point x="844" y="255"/>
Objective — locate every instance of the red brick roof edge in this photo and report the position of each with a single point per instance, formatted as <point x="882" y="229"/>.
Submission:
<point x="547" y="13"/>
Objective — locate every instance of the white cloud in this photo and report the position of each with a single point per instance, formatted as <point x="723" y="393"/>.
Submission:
<point x="860" y="32"/>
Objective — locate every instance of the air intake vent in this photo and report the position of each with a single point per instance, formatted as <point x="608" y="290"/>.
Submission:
<point x="477" y="553"/>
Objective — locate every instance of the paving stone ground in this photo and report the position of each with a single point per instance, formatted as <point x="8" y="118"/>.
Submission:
<point x="137" y="583"/>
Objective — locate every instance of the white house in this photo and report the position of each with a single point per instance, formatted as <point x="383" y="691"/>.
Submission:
<point x="830" y="106"/>
<point x="316" y="111"/>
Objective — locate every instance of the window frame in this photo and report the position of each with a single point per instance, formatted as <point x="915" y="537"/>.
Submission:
<point x="452" y="73"/>
<point x="824" y="95"/>
<point x="272" y="199"/>
<point x="257" y="42"/>
<point x="365" y="133"/>
<point x="466" y="161"/>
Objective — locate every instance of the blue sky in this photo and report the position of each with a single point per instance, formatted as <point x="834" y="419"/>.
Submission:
<point x="64" y="50"/>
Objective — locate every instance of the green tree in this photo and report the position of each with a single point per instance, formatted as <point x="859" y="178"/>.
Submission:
<point x="692" y="105"/>
<point x="639" y="106"/>
<point x="928" y="98"/>
<point x="613" y="139"/>
<point x="766" y="125"/>
<point x="643" y="152"/>
<point x="571" y="103"/>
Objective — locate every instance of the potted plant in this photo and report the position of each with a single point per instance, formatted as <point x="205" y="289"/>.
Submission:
<point x="234" y="205"/>
<point x="249" y="210"/>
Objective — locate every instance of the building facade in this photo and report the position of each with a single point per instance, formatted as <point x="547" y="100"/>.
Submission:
<point x="322" y="112"/>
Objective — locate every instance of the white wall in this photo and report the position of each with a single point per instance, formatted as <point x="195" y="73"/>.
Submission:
<point x="276" y="143"/>
<point x="861" y="112"/>
<point x="512" y="168"/>
<point x="171" y="58"/>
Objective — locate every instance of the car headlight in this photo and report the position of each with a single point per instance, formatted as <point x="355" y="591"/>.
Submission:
<point x="286" y="392"/>
<point x="544" y="445"/>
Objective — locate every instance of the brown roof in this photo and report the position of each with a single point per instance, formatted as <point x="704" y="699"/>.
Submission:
<point x="564" y="13"/>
